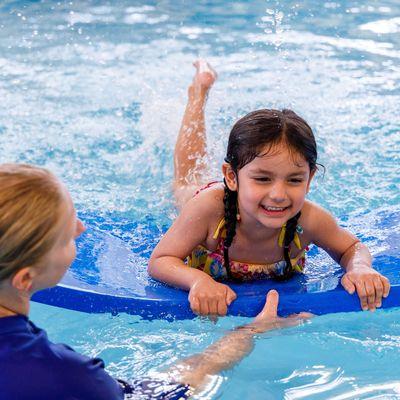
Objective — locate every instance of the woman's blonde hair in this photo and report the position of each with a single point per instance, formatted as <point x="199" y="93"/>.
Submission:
<point x="30" y="210"/>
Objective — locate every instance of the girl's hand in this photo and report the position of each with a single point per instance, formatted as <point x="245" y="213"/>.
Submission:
<point x="370" y="285"/>
<point x="208" y="297"/>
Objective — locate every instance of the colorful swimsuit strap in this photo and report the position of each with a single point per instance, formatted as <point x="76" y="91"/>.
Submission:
<point x="218" y="233"/>
<point x="210" y="184"/>
<point x="221" y="233"/>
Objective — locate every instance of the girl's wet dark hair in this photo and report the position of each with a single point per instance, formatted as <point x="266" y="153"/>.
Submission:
<point x="247" y="140"/>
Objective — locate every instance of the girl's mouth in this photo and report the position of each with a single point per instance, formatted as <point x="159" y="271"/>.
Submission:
<point x="271" y="210"/>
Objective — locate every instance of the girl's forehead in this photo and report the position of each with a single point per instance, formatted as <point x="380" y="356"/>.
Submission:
<point x="280" y="155"/>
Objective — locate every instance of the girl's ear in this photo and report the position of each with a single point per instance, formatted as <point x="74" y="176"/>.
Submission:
<point x="23" y="279"/>
<point x="230" y="177"/>
<point x="310" y="179"/>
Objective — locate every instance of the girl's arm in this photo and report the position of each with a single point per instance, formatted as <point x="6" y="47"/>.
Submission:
<point x="189" y="230"/>
<point x="351" y="254"/>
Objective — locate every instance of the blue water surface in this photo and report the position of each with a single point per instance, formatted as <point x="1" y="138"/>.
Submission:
<point x="95" y="91"/>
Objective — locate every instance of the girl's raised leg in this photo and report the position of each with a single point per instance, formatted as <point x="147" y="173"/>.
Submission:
<point x="190" y="148"/>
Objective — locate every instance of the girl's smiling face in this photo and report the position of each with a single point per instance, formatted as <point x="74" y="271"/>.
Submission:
<point x="272" y="187"/>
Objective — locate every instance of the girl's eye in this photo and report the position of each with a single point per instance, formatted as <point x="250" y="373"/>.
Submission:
<point x="262" y="179"/>
<point x="296" y="180"/>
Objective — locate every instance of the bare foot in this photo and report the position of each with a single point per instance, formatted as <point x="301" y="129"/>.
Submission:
<point x="205" y="75"/>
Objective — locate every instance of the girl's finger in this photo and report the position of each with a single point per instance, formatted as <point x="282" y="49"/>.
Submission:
<point x="204" y="307"/>
<point x="230" y="296"/>
<point x="222" y="308"/>
<point x="370" y="292"/>
<point x="378" y="291"/>
<point x="386" y="286"/>
<point x="213" y="306"/>
<point x="348" y="285"/>
<point x="195" y="305"/>
<point x="362" y="295"/>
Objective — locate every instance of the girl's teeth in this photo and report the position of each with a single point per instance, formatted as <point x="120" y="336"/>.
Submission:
<point x="274" y="208"/>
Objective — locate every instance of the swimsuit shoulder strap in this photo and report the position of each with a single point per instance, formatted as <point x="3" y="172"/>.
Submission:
<point x="296" y="238"/>
<point x="220" y="231"/>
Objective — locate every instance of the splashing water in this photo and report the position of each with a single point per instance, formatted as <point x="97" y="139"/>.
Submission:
<point x="95" y="91"/>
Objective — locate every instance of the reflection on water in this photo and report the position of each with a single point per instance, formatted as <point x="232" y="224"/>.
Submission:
<point x="326" y="382"/>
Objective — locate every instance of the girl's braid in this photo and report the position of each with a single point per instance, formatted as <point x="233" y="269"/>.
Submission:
<point x="230" y="205"/>
<point x="291" y="226"/>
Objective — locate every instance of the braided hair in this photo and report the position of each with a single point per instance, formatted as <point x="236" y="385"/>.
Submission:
<point x="231" y="210"/>
<point x="291" y="226"/>
<point x="248" y="139"/>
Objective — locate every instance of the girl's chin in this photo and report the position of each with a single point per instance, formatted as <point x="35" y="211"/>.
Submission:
<point x="272" y="223"/>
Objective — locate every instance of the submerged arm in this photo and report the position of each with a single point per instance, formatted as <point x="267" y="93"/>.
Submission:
<point x="233" y="347"/>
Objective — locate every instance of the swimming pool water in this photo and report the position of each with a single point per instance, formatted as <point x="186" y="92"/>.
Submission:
<point x="95" y="90"/>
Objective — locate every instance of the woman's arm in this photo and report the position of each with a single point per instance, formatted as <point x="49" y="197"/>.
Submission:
<point x="351" y="254"/>
<point x="233" y="347"/>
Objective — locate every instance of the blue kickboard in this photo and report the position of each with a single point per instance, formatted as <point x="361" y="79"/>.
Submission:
<point x="109" y="274"/>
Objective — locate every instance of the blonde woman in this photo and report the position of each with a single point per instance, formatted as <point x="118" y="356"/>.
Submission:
<point x="38" y="229"/>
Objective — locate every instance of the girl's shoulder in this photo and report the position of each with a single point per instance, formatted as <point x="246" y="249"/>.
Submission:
<point x="203" y="212"/>
<point x="207" y="202"/>
<point x="314" y="217"/>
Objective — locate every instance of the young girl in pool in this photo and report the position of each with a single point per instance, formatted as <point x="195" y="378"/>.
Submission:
<point x="38" y="228"/>
<point x="257" y="223"/>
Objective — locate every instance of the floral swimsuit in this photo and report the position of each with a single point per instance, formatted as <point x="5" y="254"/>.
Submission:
<point x="212" y="262"/>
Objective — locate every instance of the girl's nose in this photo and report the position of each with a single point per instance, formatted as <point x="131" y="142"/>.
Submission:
<point x="80" y="228"/>
<point x="278" y="192"/>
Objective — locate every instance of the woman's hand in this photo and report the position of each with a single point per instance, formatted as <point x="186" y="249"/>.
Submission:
<point x="369" y="284"/>
<point x="269" y="319"/>
<point x="208" y="297"/>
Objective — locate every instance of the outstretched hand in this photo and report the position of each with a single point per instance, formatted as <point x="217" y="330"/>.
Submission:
<point x="369" y="284"/>
<point x="231" y="348"/>
<point x="268" y="318"/>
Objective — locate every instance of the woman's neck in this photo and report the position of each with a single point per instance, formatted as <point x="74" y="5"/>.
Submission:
<point x="13" y="304"/>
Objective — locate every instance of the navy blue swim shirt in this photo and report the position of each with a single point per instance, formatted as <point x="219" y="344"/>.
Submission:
<point x="33" y="368"/>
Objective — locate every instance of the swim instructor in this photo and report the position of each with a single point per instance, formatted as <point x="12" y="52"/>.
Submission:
<point x="38" y="229"/>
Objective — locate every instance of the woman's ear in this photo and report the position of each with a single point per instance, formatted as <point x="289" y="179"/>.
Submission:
<point x="23" y="279"/>
<point x="312" y="173"/>
<point x="230" y="177"/>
